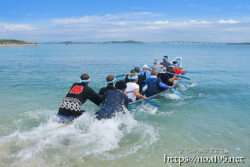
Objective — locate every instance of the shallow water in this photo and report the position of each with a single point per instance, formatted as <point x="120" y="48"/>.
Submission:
<point x="34" y="80"/>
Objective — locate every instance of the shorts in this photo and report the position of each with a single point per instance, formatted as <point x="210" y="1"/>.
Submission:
<point x="65" y="119"/>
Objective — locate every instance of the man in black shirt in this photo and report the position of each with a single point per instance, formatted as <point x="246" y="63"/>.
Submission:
<point x="77" y="96"/>
<point x="127" y="76"/>
<point x="110" y="85"/>
<point x="167" y="78"/>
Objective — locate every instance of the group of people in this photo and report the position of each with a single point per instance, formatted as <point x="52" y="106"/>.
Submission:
<point x="117" y="95"/>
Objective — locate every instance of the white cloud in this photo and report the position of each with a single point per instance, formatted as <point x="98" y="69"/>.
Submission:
<point x="16" y="27"/>
<point x="142" y="26"/>
<point x="161" y="22"/>
<point x="227" y="21"/>
<point x="198" y="22"/>
<point x="204" y="22"/>
<point x="75" y="20"/>
<point x="104" y="18"/>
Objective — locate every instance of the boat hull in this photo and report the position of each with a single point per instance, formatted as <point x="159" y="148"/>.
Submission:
<point x="137" y="102"/>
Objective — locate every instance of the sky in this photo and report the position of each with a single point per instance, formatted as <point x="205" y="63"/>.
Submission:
<point x="119" y="20"/>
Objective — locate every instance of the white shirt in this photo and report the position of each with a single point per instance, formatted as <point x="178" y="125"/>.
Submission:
<point x="130" y="90"/>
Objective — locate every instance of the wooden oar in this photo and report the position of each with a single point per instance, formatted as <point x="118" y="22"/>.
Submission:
<point x="177" y="93"/>
<point x="152" y="103"/>
<point x="183" y="83"/>
<point x="179" y="75"/>
<point x="122" y="75"/>
<point x="194" y="72"/>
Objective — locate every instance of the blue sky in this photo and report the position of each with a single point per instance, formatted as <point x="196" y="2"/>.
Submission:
<point x="143" y="20"/>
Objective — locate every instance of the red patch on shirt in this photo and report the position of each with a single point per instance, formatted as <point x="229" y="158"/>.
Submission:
<point x="76" y="89"/>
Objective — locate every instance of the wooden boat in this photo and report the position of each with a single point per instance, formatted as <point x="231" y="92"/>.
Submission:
<point x="137" y="102"/>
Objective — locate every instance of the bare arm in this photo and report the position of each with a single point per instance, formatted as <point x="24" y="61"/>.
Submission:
<point x="124" y="91"/>
<point x="173" y="78"/>
<point x="137" y="94"/>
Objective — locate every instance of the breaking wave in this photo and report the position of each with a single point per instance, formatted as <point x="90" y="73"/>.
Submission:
<point x="51" y="144"/>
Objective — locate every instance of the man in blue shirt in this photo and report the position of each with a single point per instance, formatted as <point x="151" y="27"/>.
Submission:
<point x="114" y="100"/>
<point x="154" y="84"/>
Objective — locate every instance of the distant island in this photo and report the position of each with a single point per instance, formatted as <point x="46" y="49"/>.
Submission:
<point x="139" y="42"/>
<point x="204" y="43"/>
<point x="108" y="42"/>
<point x="243" y="43"/>
<point x="14" y="42"/>
<point x="129" y="42"/>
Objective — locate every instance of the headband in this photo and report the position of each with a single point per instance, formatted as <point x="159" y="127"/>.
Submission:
<point x="84" y="81"/>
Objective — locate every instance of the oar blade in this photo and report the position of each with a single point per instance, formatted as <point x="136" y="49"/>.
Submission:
<point x="152" y="103"/>
<point x="183" y="83"/>
<point x="122" y="75"/>
<point x="194" y="72"/>
<point x="183" y="77"/>
<point x="177" y="93"/>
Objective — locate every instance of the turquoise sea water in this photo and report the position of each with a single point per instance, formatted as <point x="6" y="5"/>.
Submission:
<point x="34" y="80"/>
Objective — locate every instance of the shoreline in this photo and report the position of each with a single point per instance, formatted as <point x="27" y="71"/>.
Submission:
<point x="12" y="45"/>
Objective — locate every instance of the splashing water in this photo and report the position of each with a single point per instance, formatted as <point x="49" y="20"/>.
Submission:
<point x="193" y="84"/>
<point x="50" y="143"/>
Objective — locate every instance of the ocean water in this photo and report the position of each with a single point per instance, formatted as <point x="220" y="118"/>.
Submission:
<point x="215" y="113"/>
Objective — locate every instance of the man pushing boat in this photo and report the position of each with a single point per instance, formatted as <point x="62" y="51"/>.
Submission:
<point x="76" y="97"/>
<point x="110" y="84"/>
<point x="114" y="100"/>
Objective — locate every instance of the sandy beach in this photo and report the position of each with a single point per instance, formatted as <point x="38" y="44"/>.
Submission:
<point x="27" y="44"/>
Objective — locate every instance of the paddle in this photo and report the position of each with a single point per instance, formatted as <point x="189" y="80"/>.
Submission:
<point x="179" y="75"/>
<point x="194" y="72"/>
<point x="152" y="103"/>
<point x="177" y="93"/>
<point x="122" y="75"/>
<point x="183" y="83"/>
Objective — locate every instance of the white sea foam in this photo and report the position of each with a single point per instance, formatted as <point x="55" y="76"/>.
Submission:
<point x="182" y="87"/>
<point x="168" y="114"/>
<point x="172" y="96"/>
<point x="147" y="108"/>
<point x="50" y="144"/>
<point x="193" y="84"/>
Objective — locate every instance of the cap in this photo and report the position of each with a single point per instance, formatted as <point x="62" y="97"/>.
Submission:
<point x="145" y="67"/>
